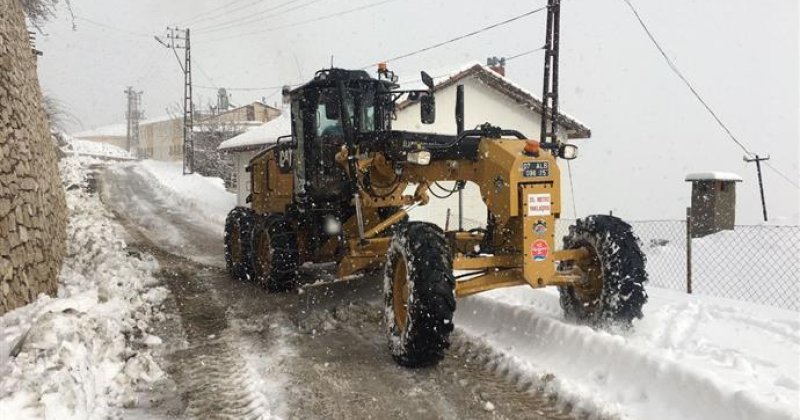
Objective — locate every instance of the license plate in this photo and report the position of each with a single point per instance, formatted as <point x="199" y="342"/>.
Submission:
<point x="535" y="169"/>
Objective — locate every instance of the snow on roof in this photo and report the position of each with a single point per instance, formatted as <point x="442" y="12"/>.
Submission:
<point x="266" y="133"/>
<point x="445" y="78"/>
<point x="114" y="130"/>
<point x="713" y="176"/>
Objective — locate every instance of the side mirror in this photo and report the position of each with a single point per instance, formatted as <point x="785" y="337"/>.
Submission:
<point x="427" y="80"/>
<point x="428" y="109"/>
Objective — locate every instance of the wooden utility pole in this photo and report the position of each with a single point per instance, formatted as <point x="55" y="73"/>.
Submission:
<point x="757" y="159"/>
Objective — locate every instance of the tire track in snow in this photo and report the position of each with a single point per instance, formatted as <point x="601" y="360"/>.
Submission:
<point x="213" y="376"/>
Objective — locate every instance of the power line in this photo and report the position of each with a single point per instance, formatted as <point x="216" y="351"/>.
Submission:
<point x="522" y="54"/>
<point x="113" y="28"/>
<point x="254" y="18"/>
<point x="677" y="71"/>
<point x="683" y="78"/>
<point x="789" y="180"/>
<point x="461" y="37"/>
<point x="199" y="17"/>
<point x="303" y="22"/>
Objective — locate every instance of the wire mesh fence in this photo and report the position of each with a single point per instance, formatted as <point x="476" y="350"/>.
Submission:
<point x="759" y="264"/>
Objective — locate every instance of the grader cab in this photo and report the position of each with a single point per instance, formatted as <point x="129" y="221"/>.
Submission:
<point x="340" y="189"/>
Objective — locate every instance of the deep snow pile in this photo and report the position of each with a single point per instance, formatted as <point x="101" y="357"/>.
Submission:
<point x="84" y="353"/>
<point x="689" y="357"/>
<point x="197" y="194"/>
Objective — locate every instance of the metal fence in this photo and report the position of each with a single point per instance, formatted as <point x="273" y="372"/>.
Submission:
<point x="759" y="264"/>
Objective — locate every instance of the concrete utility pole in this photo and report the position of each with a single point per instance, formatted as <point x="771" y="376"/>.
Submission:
<point x="757" y="159"/>
<point x="180" y="39"/>
<point x="133" y="115"/>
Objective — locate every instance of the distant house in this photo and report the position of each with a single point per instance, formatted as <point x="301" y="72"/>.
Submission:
<point x="491" y="97"/>
<point x="162" y="139"/>
<point x="243" y="147"/>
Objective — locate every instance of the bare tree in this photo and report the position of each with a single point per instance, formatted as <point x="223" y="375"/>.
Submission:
<point x="40" y="11"/>
<point x="208" y="135"/>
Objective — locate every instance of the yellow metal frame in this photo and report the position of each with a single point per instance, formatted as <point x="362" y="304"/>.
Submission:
<point x="524" y="241"/>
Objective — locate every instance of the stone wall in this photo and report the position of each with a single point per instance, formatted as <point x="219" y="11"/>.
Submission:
<point x="33" y="214"/>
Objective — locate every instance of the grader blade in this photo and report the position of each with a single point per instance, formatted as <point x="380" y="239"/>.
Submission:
<point x="321" y="296"/>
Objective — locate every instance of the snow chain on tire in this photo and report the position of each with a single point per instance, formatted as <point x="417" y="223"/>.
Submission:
<point x="238" y="231"/>
<point x="621" y="264"/>
<point x="419" y="250"/>
<point x="274" y="234"/>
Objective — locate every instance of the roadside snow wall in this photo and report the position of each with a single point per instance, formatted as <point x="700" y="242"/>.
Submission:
<point x="33" y="214"/>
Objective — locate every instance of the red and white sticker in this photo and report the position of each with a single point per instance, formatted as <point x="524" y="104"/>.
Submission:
<point x="539" y="250"/>
<point x="539" y="205"/>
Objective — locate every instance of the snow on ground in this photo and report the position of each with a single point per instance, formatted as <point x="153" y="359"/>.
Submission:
<point x="200" y="195"/>
<point x="690" y="357"/>
<point x="96" y="149"/>
<point x="84" y="353"/>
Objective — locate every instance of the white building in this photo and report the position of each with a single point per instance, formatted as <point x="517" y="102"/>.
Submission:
<point x="489" y="96"/>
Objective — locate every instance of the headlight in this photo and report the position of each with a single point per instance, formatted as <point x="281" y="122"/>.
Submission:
<point x="568" y="151"/>
<point x="332" y="225"/>
<point x="421" y="157"/>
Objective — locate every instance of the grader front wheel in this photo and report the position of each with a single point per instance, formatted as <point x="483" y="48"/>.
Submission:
<point x="274" y="253"/>
<point x="419" y="291"/>
<point x="612" y="291"/>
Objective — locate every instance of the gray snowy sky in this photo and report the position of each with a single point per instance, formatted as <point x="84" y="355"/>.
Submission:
<point x="648" y="131"/>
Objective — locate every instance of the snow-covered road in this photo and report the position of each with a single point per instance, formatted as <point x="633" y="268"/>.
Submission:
<point x="233" y="350"/>
<point x="690" y="357"/>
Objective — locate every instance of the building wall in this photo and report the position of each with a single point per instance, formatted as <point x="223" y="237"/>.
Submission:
<point x="162" y="140"/>
<point x="242" y="181"/>
<point x="252" y="112"/>
<point x="33" y="213"/>
<point x="713" y="207"/>
<point x="481" y="104"/>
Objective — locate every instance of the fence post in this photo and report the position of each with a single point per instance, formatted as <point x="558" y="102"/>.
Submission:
<point x="689" y="250"/>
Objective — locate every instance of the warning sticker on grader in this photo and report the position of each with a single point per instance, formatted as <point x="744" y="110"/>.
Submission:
<point x="539" y="205"/>
<point x="539" y="250"/>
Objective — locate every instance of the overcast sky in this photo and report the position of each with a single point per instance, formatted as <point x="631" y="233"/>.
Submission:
<point x="648" y="131"/>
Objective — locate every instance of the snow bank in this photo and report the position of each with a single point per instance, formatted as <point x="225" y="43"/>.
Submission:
<point x="200" y="195"/>
<point x="96" y="149"/>
<point x="688" y="358"/>
<point x="84" y="353"/>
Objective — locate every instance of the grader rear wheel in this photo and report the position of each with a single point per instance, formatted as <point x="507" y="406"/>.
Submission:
<point x="238" y="229"/>
<point x="614" y="274"/>
<point x="419" y="293"/>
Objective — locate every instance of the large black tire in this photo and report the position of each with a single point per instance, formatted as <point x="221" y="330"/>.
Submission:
<point x="419" y="283"/>
<point x="275" y="255"/>
<point x="238" y="232"/>
<point x="615" y="273"/>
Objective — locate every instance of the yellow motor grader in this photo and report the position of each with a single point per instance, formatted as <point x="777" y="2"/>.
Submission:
<point x="339" y="189"/>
